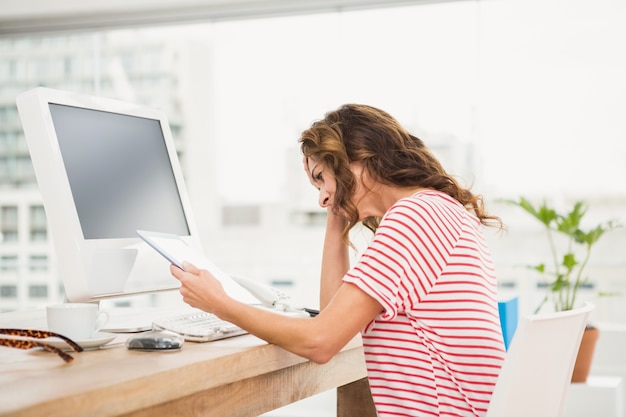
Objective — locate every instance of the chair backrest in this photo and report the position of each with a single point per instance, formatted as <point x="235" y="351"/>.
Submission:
<point x="536" y="374"/>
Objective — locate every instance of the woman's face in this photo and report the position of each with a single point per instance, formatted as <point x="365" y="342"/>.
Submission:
<point x="324" y="181"/>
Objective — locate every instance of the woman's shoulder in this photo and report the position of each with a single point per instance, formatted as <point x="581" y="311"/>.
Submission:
<point x="427" y="198"/>
<point x="427" y="205"/>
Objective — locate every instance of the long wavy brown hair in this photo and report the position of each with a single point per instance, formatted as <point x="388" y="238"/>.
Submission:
<point x="388" y="152"/>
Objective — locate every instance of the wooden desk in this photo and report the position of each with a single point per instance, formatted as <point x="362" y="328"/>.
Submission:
<point x="241" y="376"/>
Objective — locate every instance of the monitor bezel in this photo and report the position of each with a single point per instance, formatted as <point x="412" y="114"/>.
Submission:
<point x="84" y="263"/>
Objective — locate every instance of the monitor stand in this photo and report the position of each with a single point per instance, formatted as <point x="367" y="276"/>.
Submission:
<point x="129" y="319"/>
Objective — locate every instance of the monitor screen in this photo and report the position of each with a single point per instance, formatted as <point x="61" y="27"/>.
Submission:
<point x="105" y="169"/>
<point x="119" y="173"/>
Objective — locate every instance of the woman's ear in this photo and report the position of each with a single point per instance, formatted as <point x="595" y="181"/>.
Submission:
<point x="363" y="180"/>
<point x="357" y="169"/>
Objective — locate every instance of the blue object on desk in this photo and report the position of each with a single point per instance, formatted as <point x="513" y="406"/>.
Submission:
<point x="509" y="316"/>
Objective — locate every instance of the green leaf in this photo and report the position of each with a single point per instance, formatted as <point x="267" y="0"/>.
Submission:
<point x="558" y="284"/>
<point x="569" y="261"/>
<point x="570" y="223"/>
<point x="542" y="213"/>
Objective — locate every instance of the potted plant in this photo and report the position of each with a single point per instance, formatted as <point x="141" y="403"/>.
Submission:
<point x="566" y="272"/>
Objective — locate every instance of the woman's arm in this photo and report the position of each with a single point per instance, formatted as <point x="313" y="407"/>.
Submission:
<point x="335" y="258"/>
<point x="318" y="338"/>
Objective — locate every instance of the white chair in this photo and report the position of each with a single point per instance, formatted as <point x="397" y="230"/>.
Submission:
<point x="536" y="374"/>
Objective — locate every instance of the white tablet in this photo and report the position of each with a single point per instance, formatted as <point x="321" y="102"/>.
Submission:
<point x="172" y="247"/>
<point x="177" y="251"/>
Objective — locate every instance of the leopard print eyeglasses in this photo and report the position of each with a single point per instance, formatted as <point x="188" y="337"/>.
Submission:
<point x="38" y="334"/>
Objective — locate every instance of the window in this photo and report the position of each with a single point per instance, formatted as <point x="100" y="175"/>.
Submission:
<point x="38" y="263"/>
<point x="38" y="225"/>
<point x="241" y="215"/>
<point x="8" y="291"/>
<point x="7" y="69"/>
<point x="38" y="291"/>
<point x="489" y="99"/>
<point x="8" y="263"/>
<point x="68" y="66"/>
<point x="9" y="223"/>
<point x="309" y="218"/>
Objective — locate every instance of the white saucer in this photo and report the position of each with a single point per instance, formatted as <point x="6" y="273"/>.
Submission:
<point x="98" y="339"/>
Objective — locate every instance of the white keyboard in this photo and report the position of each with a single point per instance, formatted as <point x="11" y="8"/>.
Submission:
<point x="198" y="326"/>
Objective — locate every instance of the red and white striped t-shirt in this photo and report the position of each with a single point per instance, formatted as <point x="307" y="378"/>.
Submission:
<point x="437" y="348"/>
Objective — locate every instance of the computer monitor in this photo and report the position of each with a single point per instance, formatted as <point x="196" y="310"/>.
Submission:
<point x="105" y="169"/>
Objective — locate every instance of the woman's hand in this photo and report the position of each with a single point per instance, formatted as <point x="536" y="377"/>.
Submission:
<point x="199" y="288"/>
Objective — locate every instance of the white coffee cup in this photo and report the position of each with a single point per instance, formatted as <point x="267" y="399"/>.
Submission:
<point x="78" y="321"/>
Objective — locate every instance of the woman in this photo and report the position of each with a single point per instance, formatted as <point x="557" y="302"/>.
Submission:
<point x="422" y="294"/>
